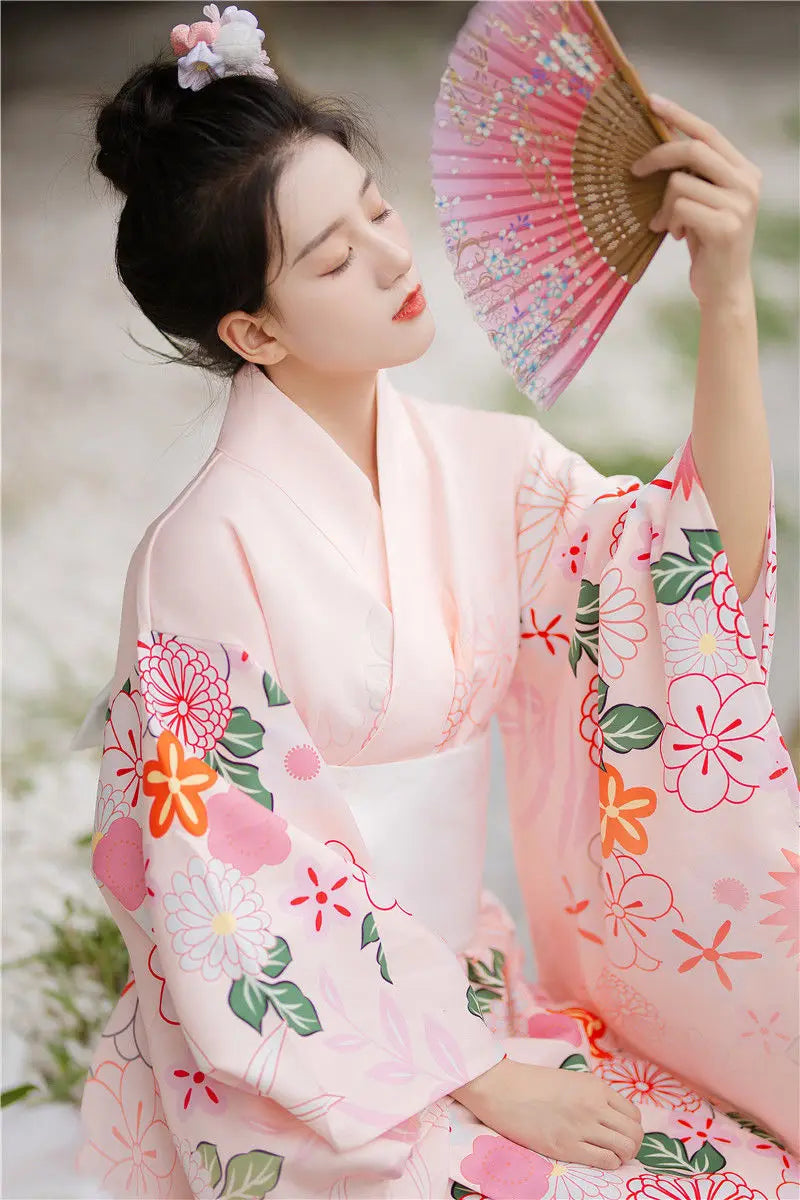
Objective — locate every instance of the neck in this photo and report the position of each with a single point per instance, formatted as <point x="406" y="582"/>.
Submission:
<point x="344" y="405"/>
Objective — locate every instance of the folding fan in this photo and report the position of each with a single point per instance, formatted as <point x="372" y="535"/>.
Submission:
<point x="538" y="118"/>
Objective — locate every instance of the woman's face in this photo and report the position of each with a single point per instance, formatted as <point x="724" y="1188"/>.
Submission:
<point x="338" y="293"/>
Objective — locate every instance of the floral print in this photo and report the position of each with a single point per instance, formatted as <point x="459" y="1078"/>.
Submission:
<point x="620" y="629"/>
<point x="185" y="693"/>
<point x="622" y="811"/>
<point x="695" y="641"/>
<point x="712" y="741"/>
<point x="217" y="920"/>
<point x="176" y="782"/>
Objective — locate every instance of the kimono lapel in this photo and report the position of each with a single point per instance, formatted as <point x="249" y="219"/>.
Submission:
<point x="266" y="430"/>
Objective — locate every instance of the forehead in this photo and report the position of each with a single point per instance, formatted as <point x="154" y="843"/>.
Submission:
<point x="318" y="184"/>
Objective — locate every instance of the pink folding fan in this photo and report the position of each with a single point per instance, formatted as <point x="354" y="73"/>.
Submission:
<point x="538" y="118"/>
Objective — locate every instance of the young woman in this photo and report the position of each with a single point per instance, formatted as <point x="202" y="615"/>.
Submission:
<point x="324" y="1000"/>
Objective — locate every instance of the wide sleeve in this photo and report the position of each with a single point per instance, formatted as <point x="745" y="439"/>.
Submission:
<point x="653" y="803"/>
<point x="292" y="972"/>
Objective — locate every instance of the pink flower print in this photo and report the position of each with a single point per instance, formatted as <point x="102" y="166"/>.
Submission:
<point x="700" y="1128"/>
<point x="642" y="556"/>
<point x="634" y="899"/>
<point x="500" y="1167"/>
<point x="302" y="762"/>
<point x="186" y="694"/>
<point x="318" y="894"/>
<point x="767" y="1031"/>
<point x="731" y="892"/>
<point x="555" y="1025"/>
<point x="197" y="1090"/>
<point x="123" y="765"/>
<point x="639" y="1080"/>
<point x="109" y="806"/>
<point x="572" y="555"/>
<point x="619" y="626"/>
<point x="195" y="1170"/>
<point x="184" y="38"/>
<point x="728" y="604"/>
<point x="725" y="1185"/>
<point x="130" y="1142"/>
<point x="776" y="761"/>
<point x="787" y="899"/>
<point x="244" y="833"/>
<point x="712" y="745"/>
<point x="118" y="862"/>
<point x="712" y="953"/>
<point x="695" y="642"/>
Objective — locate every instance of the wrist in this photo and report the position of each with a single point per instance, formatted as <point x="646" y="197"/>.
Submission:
<point x="737" y="301"/>
<point x="475" y="1090"/>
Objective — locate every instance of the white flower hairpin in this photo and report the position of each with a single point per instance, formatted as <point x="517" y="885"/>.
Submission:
<point x="221" y="45"/>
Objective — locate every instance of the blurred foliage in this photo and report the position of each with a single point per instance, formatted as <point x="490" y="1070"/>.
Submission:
<point x="778" y="237"/>
<point x="84" y="943"/>
<point x="679" y="321"/>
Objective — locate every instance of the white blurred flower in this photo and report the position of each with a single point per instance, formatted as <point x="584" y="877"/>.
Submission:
<point x="199" y="67"/>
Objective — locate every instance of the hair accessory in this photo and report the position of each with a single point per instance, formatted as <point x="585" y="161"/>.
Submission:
<point x="221" y="45"/>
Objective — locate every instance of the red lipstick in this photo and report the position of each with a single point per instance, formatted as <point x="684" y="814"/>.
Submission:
<point x="412" y="306"/>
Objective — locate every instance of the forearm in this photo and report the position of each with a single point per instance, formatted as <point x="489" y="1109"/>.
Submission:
<point x="730" y="436"/>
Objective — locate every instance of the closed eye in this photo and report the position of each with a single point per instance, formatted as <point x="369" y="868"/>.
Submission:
<point x="342" y="266"/>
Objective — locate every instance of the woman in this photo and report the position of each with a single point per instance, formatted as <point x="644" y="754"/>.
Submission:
<point x="316" y="633"/>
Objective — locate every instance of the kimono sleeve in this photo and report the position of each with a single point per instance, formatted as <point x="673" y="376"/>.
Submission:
<point x="652" y="800"/>
<point x="288" y="977"/>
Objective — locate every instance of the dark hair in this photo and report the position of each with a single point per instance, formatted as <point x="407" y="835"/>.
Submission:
<point x="199" y="170"/>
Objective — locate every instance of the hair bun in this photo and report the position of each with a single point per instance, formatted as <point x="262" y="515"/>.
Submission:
<point x="125" y="125"/>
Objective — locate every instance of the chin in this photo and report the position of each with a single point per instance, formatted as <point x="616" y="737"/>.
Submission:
<point x="424" y="330"/>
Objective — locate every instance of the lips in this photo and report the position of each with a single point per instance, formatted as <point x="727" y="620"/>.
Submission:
<point x="409" y="299"/>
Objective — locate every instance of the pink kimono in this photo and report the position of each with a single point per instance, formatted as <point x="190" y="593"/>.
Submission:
<point x="291" y="818"/>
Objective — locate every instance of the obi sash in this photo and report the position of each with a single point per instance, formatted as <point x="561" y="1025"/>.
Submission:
<point x="423" y="821"/>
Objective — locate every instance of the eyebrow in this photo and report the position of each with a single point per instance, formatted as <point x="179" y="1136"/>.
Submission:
<point x="334" y="225"/>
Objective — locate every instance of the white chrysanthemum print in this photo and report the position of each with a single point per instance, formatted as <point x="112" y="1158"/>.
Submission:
<point x="695" y="641"/>
<point x="217" y="920"/>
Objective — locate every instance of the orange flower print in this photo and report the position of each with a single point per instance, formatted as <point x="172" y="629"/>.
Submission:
<point x="175" y="783"/>
<point x="712" y="953"/>
<point x="621" y="812"/>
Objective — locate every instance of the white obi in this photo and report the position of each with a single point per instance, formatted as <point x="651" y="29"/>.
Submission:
<point x="423" y="821"/>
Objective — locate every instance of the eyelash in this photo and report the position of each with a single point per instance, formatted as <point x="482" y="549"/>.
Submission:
<point x="337" y="270"/>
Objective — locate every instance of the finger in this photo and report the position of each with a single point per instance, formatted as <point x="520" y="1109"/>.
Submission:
<point x="625" y="1126"/>
<point x="626" y="1107"/>
<point x="596" y="1156"/>
<point x="695" y="126"/>
<point x="620" y="1144"/>
<point x="696" y="156"/>
<point x="709" y="224"/>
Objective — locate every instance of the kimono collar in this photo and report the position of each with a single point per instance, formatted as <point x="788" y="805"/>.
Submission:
<point x="267" y="431"/>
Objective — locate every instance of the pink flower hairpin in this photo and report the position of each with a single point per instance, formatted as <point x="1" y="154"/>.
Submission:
<point x="221" y="45"/>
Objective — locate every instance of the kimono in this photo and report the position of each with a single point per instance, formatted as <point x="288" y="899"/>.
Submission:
<point x="292" y="803"/>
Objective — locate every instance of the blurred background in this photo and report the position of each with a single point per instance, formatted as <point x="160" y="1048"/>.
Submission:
<point x="99" y="436"/>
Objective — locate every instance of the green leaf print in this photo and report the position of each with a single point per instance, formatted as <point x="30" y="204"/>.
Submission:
<point x="707" y="1159"/>
<point x="278" y="958"/>
<point x="250" y="1176"/>
<point x="275" y="695"/>
<point x="757" y="1130"/>
<point x="209" y="1156"/>
<point x="703" y="545"/>
<point x="247" y="999"/>
<point x="126" y="687"/>
<point x="369" y="934"/>
<point x="243" y="775"/>
<point x="575" y="1062"/>
<point x="602" y="692"/>
<point x="459" y="1192"/>
<point x="490" y="980"/>
<point x="588" y="614"/>
<point x="473" y="1004"/>
<point x="674" y="577"/>
<point x="243" y="736"/>
<point x="627" y="727"/>
<point x="381" y="960"/>
<point x="665" y="1155"/>
<point x="369" y="930"/>
<point x="293" y="1006"/>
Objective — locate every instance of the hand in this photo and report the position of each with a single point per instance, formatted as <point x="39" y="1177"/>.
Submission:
<point x="568" y="1115"/>
<point x="716" y="213"/>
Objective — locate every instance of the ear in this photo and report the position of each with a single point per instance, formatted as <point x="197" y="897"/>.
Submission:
<point x="249" y="338"/>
